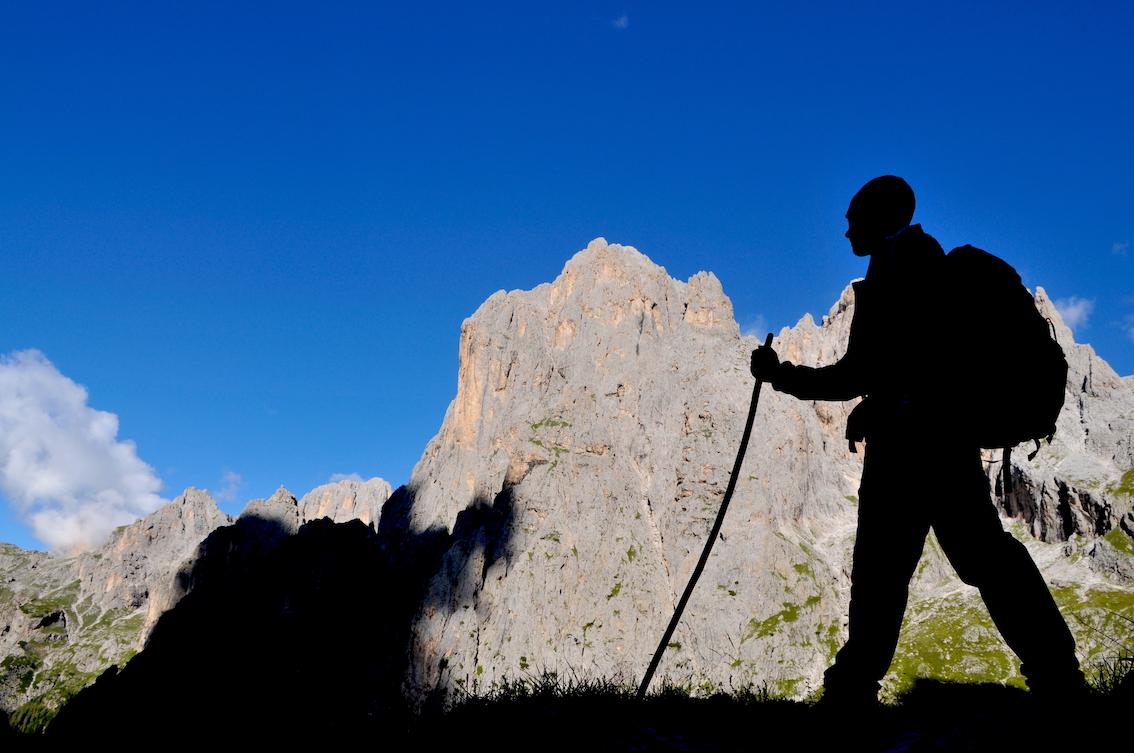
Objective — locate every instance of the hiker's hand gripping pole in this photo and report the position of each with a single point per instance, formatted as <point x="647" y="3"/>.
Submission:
<point x="712" y="537"/>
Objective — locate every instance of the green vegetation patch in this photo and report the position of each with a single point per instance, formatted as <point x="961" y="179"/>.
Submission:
<point x="1101" y="619"/>
<point x="770" y="626"/>
<point x="787" y="687"/>
<point x="51" y="669"/>
<point x="117" y="627"/>
<point x="64" y="681"/>
<point x="828" y="637"/>
<point x="57" y="600"/>
<point x="33" y="716"/>
<point x="1124" y="487"/>
<point x="549" y="447"/>
<point x="548" y="422"/>
<point x="952" y="639"/>
<point x="1071" y="600"/>
<point x="87" y="612"/>
<point x="22" y="668"/>
<point x="1120" y="541"/>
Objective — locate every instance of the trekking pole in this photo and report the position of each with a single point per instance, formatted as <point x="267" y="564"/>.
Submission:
<point x="712" y="538"/>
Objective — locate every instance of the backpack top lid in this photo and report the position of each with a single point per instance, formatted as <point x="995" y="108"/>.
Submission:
<point x="984" y="270"/>
<point x="1011" y="387"/>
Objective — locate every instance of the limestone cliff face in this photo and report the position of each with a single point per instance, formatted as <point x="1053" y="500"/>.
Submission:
<point x="579" y="468"/>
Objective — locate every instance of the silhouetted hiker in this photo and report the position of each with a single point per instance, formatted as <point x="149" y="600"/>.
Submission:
<point x="923" y="466"/>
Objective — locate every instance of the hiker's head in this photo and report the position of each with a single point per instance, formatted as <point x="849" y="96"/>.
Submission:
<point x="881" y="208"/>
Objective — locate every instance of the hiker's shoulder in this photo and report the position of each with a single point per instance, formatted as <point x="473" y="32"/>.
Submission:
<point x="915" y="237"/>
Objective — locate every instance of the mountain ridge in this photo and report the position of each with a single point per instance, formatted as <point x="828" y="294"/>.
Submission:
<point x="558" y="512"/>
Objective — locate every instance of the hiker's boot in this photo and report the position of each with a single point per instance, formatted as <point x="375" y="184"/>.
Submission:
<point x="849" y="700"/>
<point x="1063" y="687"/>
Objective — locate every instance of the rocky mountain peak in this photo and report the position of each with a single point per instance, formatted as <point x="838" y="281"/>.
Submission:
<point x="609" y="282"/>
<point x="190" y="516"/>
<point x="611" y="329"/>
<point x="281" y="509"/>
<point x="133" y="568"/>
<point x="346" y="500"/>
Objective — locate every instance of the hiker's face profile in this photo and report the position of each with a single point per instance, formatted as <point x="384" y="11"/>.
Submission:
<point x="864" y="237"/>
<point x="880" y="209"/>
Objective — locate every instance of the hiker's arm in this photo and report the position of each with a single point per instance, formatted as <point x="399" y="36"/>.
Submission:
<point x="840" y="381"/>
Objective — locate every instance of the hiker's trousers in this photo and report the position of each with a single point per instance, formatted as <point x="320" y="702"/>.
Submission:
<point x="907" y="489"/>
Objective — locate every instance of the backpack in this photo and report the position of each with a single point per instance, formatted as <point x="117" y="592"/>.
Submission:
<point x="1012" y="386"/>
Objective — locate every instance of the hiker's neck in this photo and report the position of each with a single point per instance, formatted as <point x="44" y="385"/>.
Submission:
<point x="882" y="255"/>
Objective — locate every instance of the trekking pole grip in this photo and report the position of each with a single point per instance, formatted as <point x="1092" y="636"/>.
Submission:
<point x="712" y="537"/>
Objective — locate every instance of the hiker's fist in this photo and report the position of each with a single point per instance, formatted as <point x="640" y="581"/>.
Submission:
<point x="765" y="362"/>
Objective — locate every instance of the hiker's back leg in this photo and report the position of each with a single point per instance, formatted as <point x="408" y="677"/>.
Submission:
<point x="984" y="555"/>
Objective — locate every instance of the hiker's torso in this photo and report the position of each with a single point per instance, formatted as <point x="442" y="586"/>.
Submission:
<point x="900" y="340"/>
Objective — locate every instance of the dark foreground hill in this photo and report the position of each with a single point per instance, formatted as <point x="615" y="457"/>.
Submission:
<point x="296" y="635"/>
<point x="549" y="715"/>
<point x="932" y="716"/>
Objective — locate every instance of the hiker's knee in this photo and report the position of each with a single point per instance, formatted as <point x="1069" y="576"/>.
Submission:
<point x="991" y="559"/>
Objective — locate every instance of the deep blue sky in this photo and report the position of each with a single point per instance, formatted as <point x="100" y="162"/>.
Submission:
<point x="252" y="230"/>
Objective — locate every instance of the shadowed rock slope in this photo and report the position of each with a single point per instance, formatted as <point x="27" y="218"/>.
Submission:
<point x="63" y="622"/>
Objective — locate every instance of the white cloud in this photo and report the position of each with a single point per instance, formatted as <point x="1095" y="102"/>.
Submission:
<point x="621" y="22"/>
<point x="755" y="327"/>
<point x="61" y="467"/>
<point x="231" y="484"/>
<point x="1119" y="248"/>
<point x="1075" y="311"/>
<point x="337" y="477"/>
